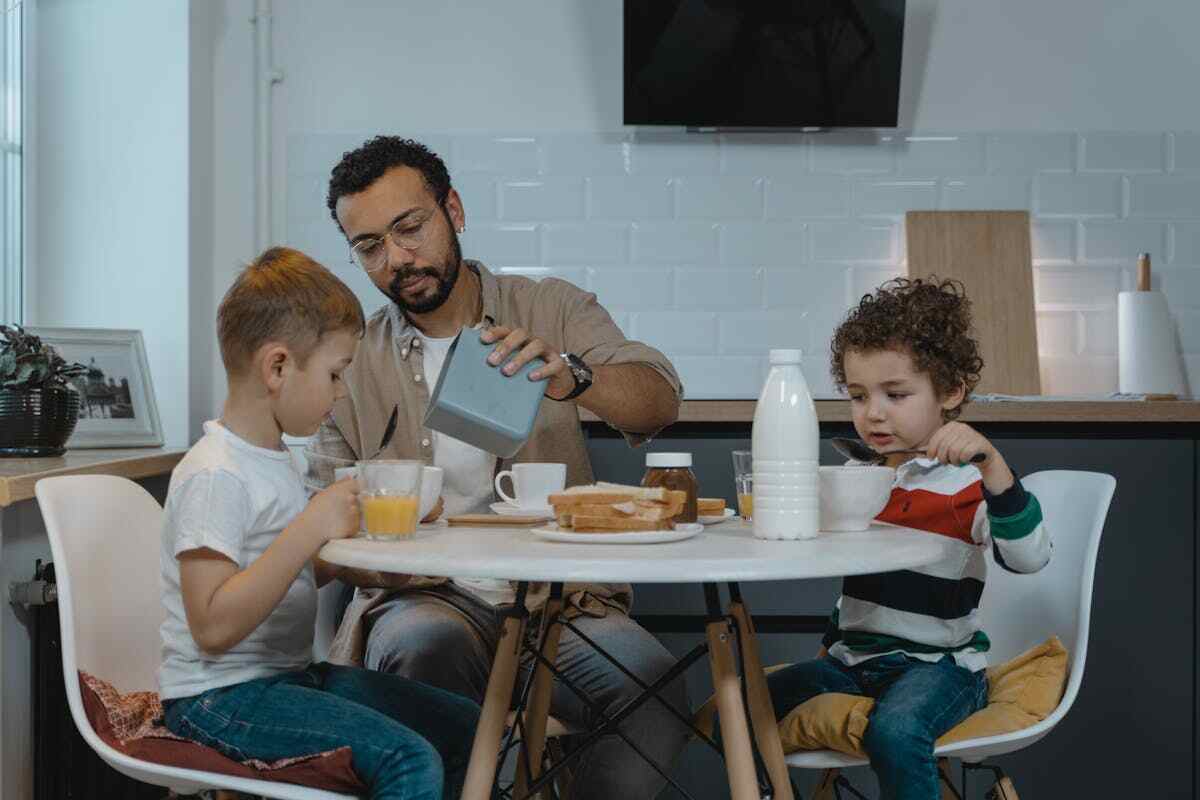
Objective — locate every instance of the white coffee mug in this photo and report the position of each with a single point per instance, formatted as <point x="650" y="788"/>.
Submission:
<point x="533" y="484"/>
<point x="431" y="490"/>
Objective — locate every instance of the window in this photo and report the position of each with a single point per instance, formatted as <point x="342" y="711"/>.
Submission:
<point x="11" y="160"/>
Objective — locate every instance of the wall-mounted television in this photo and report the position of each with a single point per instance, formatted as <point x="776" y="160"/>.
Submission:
<point x="791" y="64"/>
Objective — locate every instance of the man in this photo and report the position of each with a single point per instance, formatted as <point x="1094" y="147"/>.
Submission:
<point x="393" y="201"/>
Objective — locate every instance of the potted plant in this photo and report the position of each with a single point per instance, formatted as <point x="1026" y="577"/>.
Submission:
<point x="38" y="408"/>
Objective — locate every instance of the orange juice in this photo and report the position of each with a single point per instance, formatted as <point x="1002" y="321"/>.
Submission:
<point x="746" y="505"/>
<point x="389" y="515"/>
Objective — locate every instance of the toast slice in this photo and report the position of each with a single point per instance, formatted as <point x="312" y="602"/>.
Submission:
<point x="710" y="506"/>
<point x="581" y="523"/>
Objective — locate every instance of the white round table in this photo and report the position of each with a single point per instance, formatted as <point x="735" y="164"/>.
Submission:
<point x="724" y="553"/>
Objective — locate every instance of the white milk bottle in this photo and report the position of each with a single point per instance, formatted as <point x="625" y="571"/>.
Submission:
<point x="785" y="441"/>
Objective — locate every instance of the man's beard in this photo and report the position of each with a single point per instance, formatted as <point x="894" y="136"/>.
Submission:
<point x="445" y="278"/>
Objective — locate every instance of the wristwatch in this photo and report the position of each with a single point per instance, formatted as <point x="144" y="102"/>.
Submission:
<point x="580" y="371"/>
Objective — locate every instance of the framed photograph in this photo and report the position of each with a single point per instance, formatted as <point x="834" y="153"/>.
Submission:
<point x="117" y="407"/>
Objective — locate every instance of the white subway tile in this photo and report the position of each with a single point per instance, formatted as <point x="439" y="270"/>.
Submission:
<point x="675" y="242"/>
<point x="479" y="194"/>
<point x="599" y="153"/>
<point x="1187" y="323"/>
<point x="719" y="197"/>
<point x="720" y="377"/>
<point x="987" y="192"/>
<point x="1078" y="375"/>
<point x="1170" y="196"/>
<point x="1187" y="152"/>
<point x="817" y="374"/>
<point x="1122" y="241"/>
<point x="1187" y="243"/>
<point x="505" y="155"/>
<point x="630" y="197"/>
<point x="536" y="200"/>
<point x="837" y="241"/>
<point x="674" y="154"/>
<point x="763" y="154"/>
<point x="574" y="275"/>
<point x="683" y="332"/>
<point x="718" y="289"/>
<point x="1078" y="195"/>
<point x="939" y="154"/>
<point x="891" y="198"/>
<point x="502" y="245"/>
<point x="1076" y="286"/>
<point x="631" y="289"/>
<point x="1058" y="333"/>
<point x="849" y="152"/>
<point x="1123" y="152"/>
<point x="1027" y="153"/>
<point x="1191" y="377"/>
<point x="1181" y="286"/>
<point x="808" y="196"/>
<point x="757" y="332"/>
<point x="811" y="287"/>
<point x="585" y="243"/>
<point x="1099" y="331"/>
<point x="1053" y="242"/>
<point x="865" y="280"/>
<point x="763" y="244"/>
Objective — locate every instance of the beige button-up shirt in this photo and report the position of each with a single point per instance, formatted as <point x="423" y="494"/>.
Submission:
<point x="387" y="372"/>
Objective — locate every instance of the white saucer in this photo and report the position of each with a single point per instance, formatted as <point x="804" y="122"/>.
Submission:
<point x="714" y="519"/>
<point x="551" y="533"/>
<point x="509" y="510"/>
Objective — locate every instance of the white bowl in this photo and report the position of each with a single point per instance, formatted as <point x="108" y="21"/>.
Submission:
<point x="852" y="496"/>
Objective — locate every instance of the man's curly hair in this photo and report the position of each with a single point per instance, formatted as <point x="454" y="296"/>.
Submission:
<point x="928" y="319"/>
<point x="360" y="168"/>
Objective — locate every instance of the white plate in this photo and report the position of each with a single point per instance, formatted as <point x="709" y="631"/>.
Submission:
<point x="509" y="510"/>
<point x="551" y="533"/>
<point x="714" y="519"/>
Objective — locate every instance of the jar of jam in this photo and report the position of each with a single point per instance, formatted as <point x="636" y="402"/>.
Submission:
<point x="674" y="471"/>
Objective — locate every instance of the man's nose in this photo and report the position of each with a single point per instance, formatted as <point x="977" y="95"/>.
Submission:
<point x="398" y="257"/>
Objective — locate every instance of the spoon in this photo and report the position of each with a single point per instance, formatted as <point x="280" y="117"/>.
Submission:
<point x="388" y="431"/>
<point x="860" y="451"/>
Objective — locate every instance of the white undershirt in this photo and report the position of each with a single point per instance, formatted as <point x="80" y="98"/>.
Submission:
<point x="467" y="482"/>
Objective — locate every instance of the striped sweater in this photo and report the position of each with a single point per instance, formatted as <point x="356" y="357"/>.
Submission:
<point x="933" y="610"/>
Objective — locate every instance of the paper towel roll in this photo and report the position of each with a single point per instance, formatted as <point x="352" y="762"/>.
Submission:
<point x="1147" y="359"/>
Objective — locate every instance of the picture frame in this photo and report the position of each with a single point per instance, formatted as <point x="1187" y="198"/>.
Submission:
<point x="117" y="405"/>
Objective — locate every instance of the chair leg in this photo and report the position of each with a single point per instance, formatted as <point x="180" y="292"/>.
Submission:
<point x="1002" y="790"/>
<point x="481" y="769"/>
<point x="762" y="713"/>
<point x="538" y="707"/>
<point x="825" y="787"/>
<point x="735" y="732"/>
<point x="563" y="782"/>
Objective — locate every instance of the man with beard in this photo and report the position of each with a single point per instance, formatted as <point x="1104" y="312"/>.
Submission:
<point x="393" y="201"/>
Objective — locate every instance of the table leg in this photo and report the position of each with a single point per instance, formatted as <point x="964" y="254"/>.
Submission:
<point x="762" y="712"/>
<point x="481" y="769"/>
<point x="538" y="708"/>
<point x="735" y="734"/>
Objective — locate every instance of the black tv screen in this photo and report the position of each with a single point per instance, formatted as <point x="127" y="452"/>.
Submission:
<point x="763" y="63"/>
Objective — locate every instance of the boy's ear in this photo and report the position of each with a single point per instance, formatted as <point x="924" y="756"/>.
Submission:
<point x="954" y="399"/>
<point x="275" y="362"/>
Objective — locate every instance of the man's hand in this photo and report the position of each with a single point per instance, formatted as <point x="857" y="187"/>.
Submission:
<point x="527" y="348"/>
<point x="956" y="442"/>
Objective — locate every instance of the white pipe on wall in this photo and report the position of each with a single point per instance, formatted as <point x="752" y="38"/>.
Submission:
<point x="265" y="77"/>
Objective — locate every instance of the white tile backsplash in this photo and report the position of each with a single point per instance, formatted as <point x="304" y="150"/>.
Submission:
<point x="714" y="247"/>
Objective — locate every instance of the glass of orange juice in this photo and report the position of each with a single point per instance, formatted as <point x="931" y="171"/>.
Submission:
<point x="743" y="478"/>
<point x="389" y="496"/>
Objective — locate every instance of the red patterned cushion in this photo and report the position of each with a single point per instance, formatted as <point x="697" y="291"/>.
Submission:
<point x="131" y="723"/>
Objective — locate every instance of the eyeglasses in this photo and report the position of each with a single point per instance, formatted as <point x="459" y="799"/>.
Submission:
<point x="405" y="233"/>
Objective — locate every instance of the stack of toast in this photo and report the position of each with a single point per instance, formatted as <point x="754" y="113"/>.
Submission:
<point x="613" y="508"/>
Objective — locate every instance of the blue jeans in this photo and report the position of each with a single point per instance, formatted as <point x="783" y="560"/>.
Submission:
<point x="407" y="740"/>
<point x="915" y="703"/>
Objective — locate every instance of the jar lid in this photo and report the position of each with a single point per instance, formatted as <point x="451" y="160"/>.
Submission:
<point x="668" y="459"/>
<point x="786" y="356"/>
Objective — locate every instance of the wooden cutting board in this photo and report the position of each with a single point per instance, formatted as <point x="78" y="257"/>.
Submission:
<point x="989" y="251"/>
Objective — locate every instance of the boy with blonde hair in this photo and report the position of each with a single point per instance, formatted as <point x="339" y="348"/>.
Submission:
<point x="239" y="567"/>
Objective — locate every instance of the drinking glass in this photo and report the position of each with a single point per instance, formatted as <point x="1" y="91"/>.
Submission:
<point x="743" y="479"/>
<point x="389" y="496"/>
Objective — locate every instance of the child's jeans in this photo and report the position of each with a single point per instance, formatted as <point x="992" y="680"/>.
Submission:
<point x="407" y="740"/>
<point x="915" y="703"/>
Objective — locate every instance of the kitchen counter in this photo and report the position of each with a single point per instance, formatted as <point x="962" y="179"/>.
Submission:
<point x="18" y="475"/>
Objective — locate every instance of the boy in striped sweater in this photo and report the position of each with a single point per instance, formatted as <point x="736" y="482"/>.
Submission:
<point x="911" y="639"/>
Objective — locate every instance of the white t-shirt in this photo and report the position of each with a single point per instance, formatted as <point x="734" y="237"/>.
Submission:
<point x="468" y="473"/>
<point x="235" y="498"/>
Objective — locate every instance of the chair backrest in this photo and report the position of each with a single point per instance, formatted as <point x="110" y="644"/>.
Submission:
<point x="104" y="536"/>
<point x="1019" y="611"/>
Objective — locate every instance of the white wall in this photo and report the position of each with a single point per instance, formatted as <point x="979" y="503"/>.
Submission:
<point x="110" y="220"/>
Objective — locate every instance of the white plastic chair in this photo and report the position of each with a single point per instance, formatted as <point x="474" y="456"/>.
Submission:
<point x="1019" y="611"/>
<point x="104" y="537"/>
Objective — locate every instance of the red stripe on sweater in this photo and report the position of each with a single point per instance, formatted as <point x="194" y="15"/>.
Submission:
<point x="946" y="514"/>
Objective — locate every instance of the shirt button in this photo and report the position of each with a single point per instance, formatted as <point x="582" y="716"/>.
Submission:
<point x="417" y="378"/>
<point x="424" y="443"/>
<point x="416" y="342"/>
<point x="404" y="352"/>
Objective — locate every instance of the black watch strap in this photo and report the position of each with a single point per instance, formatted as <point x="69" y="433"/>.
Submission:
<point x="582" y="374"/>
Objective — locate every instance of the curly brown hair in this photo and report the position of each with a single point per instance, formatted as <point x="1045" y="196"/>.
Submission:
<point x="930" y="319"/>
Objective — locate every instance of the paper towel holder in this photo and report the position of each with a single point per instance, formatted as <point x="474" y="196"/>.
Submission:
<point x="1143" y="285"/>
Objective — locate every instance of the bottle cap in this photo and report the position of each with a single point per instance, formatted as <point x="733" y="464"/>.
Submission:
<point x="786" y="356"/>
<point x="668" y="459"/>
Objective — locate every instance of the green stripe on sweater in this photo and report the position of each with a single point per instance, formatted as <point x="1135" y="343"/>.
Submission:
<point x="879" y="643"/>
<point x="1018" y="526"/>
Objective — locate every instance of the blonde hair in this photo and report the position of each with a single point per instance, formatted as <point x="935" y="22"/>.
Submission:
<point x="285" y="296"/>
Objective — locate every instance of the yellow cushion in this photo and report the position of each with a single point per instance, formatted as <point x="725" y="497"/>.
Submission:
<point x="1021" y="692"/>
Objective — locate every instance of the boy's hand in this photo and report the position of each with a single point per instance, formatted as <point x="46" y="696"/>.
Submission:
<point x="956" y="442"/>
<point x="333" y="512"/>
